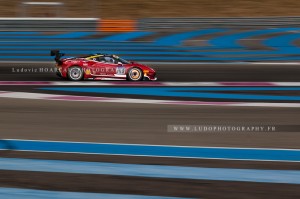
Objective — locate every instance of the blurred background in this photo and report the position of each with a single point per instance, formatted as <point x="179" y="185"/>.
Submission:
<point x="231" y="67"/>
<point x="152" y="30"/>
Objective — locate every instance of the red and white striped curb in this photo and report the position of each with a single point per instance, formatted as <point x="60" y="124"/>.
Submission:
<point x="43" y="96"/>
<point x="96" y="83"/>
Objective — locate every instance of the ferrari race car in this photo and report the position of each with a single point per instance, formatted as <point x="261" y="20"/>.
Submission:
<point x="101" y="67"/>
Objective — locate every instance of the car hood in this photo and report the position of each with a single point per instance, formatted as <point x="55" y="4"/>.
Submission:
<point x="143" y="66"/>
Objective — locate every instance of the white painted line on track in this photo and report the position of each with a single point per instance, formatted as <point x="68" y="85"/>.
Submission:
<point x="191" y="84"/>
<point x="43" y="96"/>
<point x="286" y="83"/>
<point x="95" y="83"/>
<point x="265" y="104"/>
<point x="155" y="83"/>
<point x="276" y="63"/>
<point x="24" y="95"/>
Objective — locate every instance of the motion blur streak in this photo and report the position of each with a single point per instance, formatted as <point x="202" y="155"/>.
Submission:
<point x="194" y="92"/>
<point x="255" y="154"/>
<point x="109" y="139"/>
<point x="44" y="96"/>
<point x="153" y="171"/>
<point x="14" y="193"/>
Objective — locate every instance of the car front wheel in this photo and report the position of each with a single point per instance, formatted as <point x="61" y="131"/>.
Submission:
<point x="135" y="74"/>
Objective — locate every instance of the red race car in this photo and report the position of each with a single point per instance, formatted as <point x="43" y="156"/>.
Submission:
<point x="101" y="67"/>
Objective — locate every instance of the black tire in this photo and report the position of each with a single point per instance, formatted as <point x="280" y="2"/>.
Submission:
<point x="135" y="74"/>
<point x="75" y="73"/>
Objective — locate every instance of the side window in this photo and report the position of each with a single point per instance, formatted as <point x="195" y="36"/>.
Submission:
<point x="101" y="59"/>
<point x="110" y="60"/>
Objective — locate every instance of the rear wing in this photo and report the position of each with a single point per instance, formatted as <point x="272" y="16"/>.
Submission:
<point x="57" y="55"/>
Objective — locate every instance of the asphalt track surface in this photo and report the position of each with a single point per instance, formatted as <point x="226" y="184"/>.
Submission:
<point x="141" y="123"/>
<point x="147" y="124"/>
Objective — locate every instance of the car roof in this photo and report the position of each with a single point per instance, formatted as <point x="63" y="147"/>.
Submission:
<point x="98" y="55"/>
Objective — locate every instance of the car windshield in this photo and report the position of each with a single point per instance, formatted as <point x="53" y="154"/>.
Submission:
<point x="121" y="60"/>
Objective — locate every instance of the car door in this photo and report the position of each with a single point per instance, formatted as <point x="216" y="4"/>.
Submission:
<point x="99" y="68"/>
<point x="119" y="67"/>
<point x="110" y="66"/>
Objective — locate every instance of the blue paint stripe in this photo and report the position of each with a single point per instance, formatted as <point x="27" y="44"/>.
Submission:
<point x="284" y="43"/>
<point x="72" y="41"/>
<point x="169" y="58"/>
<point x="89" y="51"/>
<point x="153" y="171"/>
<point x="152" y="50"/>
<point x="176" y="88"/>
<point x="188" y="92"/>
<point x="177" y="39"/>
<point x="150" y="150"/>
<point x="132" y="51"/>
<point x="126" y="36"/>
<point x="16" y="193"/>
<point x="163" y="58"/>
<point x="285" y="48"/>
<point x="232" y="39"/>
<point x="98" y="46"/>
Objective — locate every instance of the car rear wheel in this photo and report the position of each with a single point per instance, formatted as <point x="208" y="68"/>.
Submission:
<point x="75" y="73"/>
<point x="135" y="74"/>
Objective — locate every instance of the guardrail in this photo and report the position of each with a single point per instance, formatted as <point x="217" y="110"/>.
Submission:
<point x="231" y="22"/>
<point x="48" y="24"/>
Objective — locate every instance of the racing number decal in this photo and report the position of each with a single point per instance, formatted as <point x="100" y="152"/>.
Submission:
<point x="120" y="71"/>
